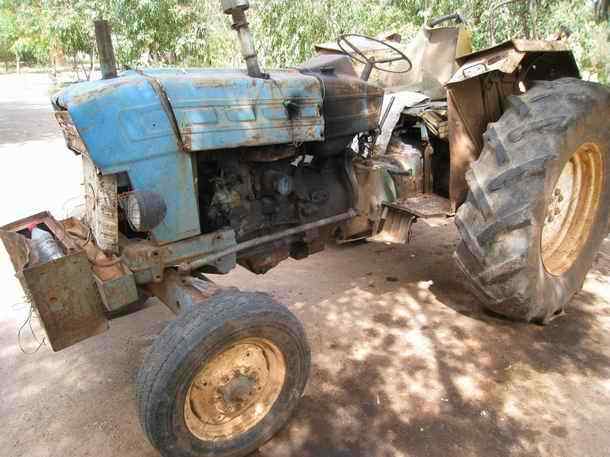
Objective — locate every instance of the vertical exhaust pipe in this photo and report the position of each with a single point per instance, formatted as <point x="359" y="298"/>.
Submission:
<point x="105" y="51"/>
<point x="237" y="9"/>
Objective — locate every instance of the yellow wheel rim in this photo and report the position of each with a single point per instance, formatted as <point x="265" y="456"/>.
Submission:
<point x="235" y="390"/>
<point x="572" y="209"/>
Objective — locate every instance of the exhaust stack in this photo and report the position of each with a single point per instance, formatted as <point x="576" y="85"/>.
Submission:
<point x="237" y="9"/>
<point x="105" y="51"/>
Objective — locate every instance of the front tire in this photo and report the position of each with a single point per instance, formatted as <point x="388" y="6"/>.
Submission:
<point x="223" y="378"/>
<point x="538" y="202"/>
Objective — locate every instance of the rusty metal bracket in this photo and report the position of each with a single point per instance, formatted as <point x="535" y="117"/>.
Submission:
<point x="187" y="267"/>
<point x="181" y="293"/>
<point x="148" y="261"/>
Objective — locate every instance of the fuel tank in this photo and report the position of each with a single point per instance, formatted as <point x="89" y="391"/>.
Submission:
<point x="351" y="105"/>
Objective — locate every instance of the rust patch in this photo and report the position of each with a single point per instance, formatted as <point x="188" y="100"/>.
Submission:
<point x="71" y="135"/>
<point x="180" y="292"/>
<point x="187" y="138"/>
<point x="102" y="90"/>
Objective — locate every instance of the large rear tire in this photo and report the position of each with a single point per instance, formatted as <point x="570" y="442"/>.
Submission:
<point x="538" y="201"/>
<point x="223" y="378"/>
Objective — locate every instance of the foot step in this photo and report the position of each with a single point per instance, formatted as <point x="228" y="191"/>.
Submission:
<point x="399" y="216"/>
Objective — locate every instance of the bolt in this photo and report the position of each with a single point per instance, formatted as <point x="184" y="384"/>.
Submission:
<point x="557" y="210"/>
<point x="557" y="192"/>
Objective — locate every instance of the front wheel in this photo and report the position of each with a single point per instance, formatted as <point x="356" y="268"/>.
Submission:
<point x="223" y="378"/>
<point x="538" y="201"/>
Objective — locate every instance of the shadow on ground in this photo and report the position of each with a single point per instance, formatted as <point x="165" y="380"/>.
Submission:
<point x="414" y="366"/>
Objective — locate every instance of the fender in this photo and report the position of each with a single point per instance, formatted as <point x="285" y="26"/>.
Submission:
<point x="477" y="91"/>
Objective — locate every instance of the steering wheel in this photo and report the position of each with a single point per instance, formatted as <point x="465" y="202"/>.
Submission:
<point x="457" y="17"/>
<point x="371" y="62"/>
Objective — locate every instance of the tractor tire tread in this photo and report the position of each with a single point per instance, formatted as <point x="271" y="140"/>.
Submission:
<point x="501" y="215"/>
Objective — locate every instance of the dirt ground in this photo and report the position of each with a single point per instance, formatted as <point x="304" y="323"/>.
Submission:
<point x="405" y="362"/>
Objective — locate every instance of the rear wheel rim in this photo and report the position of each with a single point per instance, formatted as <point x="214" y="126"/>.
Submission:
<point x="572" y="209"/>
<point x="235" y="390"/>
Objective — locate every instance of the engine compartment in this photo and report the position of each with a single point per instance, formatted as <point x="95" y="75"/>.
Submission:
<point x="253" y="196"/>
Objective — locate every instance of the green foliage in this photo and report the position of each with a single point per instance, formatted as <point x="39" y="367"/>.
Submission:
<point x="196" y="32"/>
<point x="590" y="41"/>
<point x="288" y="30"/>
<point x="69" y="26"/>
<point x="22" y="33"/>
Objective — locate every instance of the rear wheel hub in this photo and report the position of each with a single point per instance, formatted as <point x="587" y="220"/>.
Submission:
<point x="572" y="209"/>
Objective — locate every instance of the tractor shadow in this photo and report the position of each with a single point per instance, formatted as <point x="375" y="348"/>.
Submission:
<point x="407" y="362"/>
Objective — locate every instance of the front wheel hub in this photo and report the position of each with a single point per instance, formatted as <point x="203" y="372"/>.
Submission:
<point x="235" y="390"/>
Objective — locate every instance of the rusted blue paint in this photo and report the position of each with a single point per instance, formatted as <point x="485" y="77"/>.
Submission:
<point x="125" y="129"/>
<point x="227" y="109"/>
<point x="145" y="123"/>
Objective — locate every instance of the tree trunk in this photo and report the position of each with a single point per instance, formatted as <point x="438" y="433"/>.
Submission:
<point x="91" y="63"/>
<point x="18" y="60"/>
<point x="534" y="15"/>
<point x="525" y="12"/>
<point x="75" y="67"/>
<point x="601" y="10"/>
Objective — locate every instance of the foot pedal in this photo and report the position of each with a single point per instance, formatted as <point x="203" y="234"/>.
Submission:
<point x="395" y="226"/>
<point x="399" y="216"/>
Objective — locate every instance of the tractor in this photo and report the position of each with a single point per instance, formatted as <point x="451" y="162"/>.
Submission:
<point x="190" y="172"/>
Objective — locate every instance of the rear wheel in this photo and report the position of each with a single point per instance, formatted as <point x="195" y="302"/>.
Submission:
<point x="538" y="201"/>
<point x="223" y="378"/>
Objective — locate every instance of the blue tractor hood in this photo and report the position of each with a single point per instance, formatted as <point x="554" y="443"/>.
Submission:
<point x="196" y="110"/>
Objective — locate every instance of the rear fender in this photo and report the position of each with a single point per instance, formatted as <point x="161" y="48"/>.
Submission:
<point x="477" y="91"/>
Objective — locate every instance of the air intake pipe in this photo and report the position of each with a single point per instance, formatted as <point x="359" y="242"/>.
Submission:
<point x="237" y="9"/>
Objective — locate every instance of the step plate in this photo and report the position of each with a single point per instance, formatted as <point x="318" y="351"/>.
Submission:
<point x="423" y="206"/>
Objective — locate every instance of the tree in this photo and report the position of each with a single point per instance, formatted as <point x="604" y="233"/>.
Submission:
<point x="601" y="10"/>
<point x="70" y="30"/>
<point x="196" y="32"/>
<point x="21" y="32"/>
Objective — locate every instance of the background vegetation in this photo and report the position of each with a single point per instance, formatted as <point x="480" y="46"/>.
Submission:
<point x="195" y="32"/>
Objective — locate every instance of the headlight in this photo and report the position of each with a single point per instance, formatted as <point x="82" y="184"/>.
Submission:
<point x="144" y="210"/>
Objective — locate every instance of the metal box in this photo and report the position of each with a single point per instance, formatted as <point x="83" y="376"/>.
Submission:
<point x="63" y="292"/>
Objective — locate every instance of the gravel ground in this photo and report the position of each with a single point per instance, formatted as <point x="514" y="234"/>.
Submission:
<point x="405" y="362"/>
